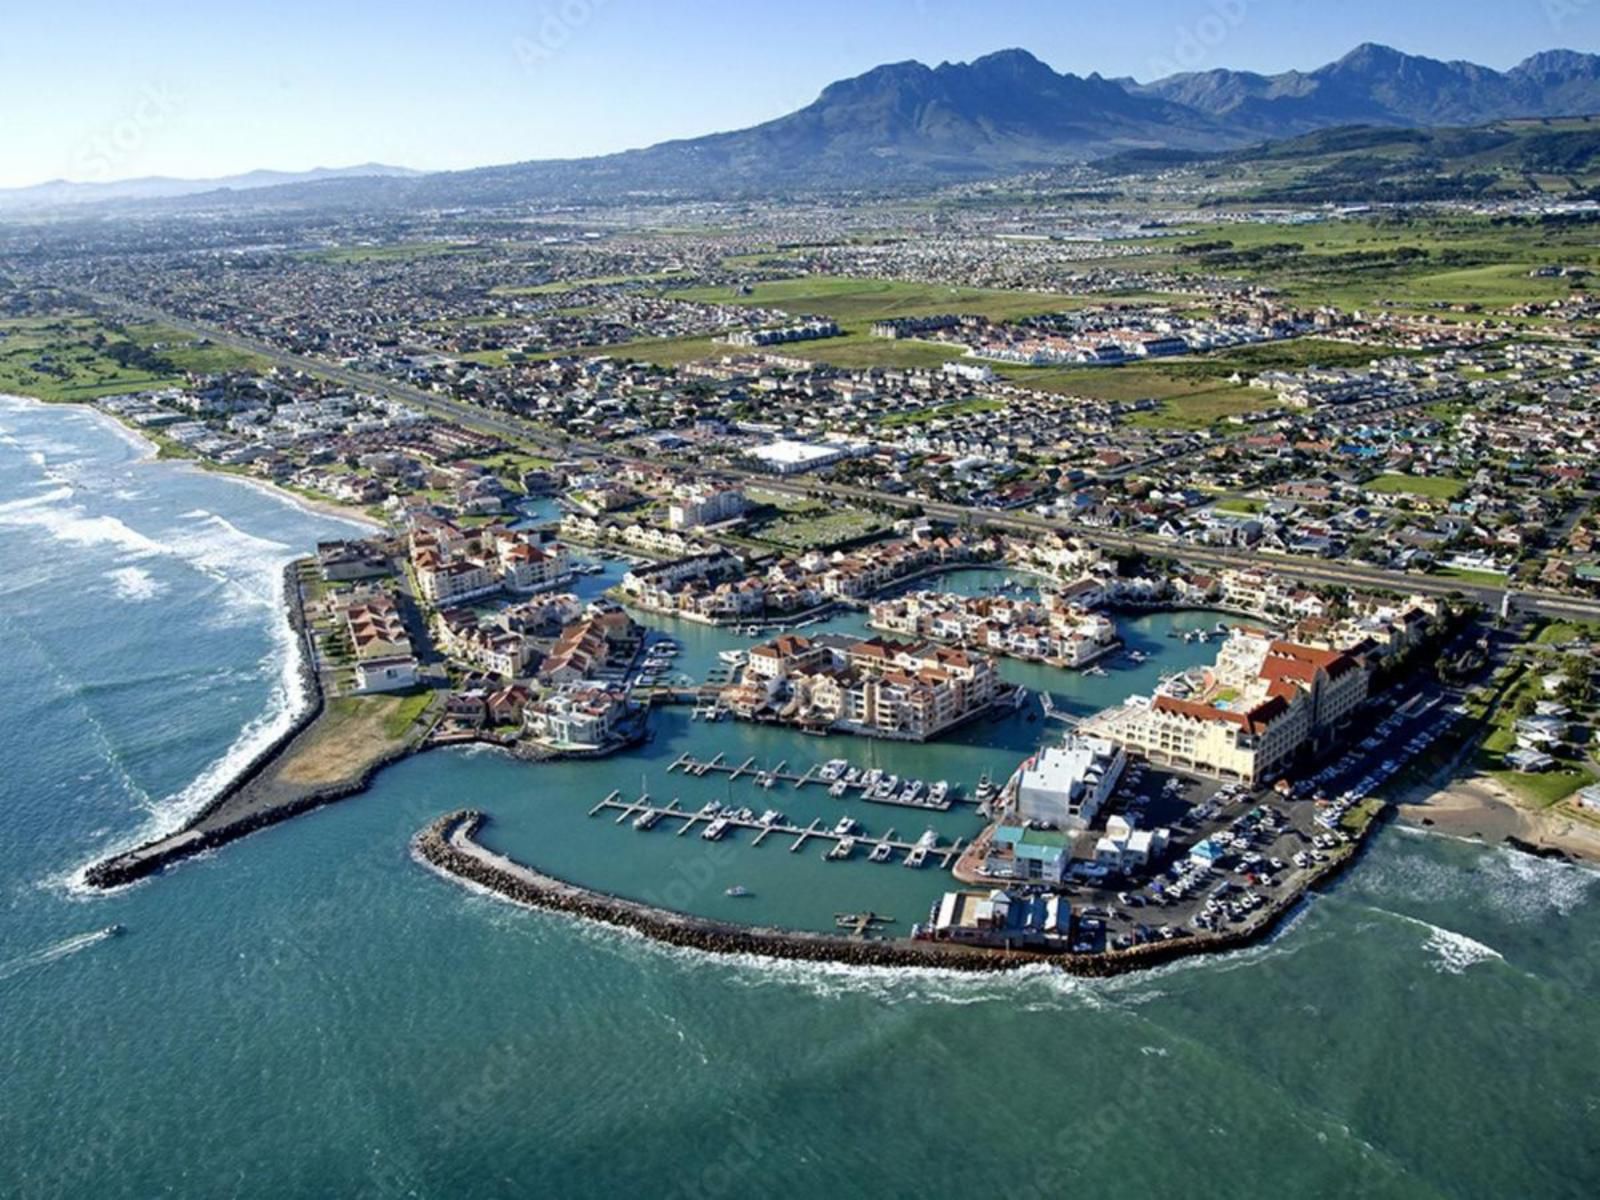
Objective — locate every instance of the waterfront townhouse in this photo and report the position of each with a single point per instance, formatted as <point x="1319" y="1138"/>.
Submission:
<point x="909" y="691"/>
<point x="379" y="642"/>
<point x="525" y="568"/>
<point x="448" y="583"/>
<point x="1052" y="629"/>
<point x="787" y="655"/>
<point x="663" y="579"/>
<point x="577" y="717"/>
<point x="453" y="566"/>
<point x="487" y="647"/>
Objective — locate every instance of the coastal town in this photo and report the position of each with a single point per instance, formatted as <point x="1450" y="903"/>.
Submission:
<point x="1223" y="569"/>
<point x="615" y="599"/>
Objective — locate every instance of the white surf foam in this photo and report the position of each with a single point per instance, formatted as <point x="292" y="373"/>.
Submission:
<point x="283" y="705"/>
<point x="135" y="584"/>
<point x="1515" y="886"/>
<point x="52" y="515"/>
<point x="1453" y="952"/>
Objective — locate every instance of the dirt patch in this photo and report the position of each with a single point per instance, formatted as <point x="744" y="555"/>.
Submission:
<point x="351" y="735"/>
<point x="1480" y="807"/>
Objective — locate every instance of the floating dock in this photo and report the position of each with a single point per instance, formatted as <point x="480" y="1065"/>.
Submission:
<point x="899" y="850"/>
<point x="768" y="778"/>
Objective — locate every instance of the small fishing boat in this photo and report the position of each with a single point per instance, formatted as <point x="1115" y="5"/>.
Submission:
<point x="737" y="890"/>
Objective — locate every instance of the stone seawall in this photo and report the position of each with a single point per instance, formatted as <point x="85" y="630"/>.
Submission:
<point x="448" y="845"/>
<point x="131" y="865"/>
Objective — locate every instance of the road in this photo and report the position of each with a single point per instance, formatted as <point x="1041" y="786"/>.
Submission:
<point x="1307" y="570"/>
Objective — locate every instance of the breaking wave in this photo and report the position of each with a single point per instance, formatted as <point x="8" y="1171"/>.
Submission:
<point x="135" y="584"/>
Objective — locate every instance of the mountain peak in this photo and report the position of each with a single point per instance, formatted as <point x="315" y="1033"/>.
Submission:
<point x="1557" y="62"/>
<point x="1013" y="59"/>
<point x="1371" y="57"/>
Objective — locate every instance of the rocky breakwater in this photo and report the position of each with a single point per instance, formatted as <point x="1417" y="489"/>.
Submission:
<point x="449" y="846"/>
<point x="254" y="798"/>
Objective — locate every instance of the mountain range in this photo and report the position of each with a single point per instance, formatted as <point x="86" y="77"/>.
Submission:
<point x="908" y="123"/>
<point x="58" y="192"/>
<point x="1377" y="85"/>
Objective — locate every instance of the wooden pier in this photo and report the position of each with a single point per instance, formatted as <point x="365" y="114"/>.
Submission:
<point x="944" y="853"/>
<point x="769" y="777"/>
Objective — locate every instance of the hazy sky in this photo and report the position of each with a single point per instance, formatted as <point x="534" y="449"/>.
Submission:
<point x="111" y="90"/>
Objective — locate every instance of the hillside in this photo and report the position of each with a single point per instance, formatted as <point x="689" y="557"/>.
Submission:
<point x="1368" y="164"/>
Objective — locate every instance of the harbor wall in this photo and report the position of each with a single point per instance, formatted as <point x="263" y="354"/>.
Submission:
<point x="449" y="847"/>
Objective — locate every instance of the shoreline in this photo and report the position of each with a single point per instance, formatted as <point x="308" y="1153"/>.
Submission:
<point x="1478" y="809"/>
<point x="247" y="755"/>
<point x="322" y="508"/>
<point x="153" y="453"/>
<point x="257" y="795"/>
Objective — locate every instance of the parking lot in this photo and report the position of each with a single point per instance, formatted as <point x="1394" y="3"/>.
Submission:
<point x="1235" y="851"/>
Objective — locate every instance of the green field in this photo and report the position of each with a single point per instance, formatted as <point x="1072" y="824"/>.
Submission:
<point x="807" y="524"/>
<point x="1404" y="262"/>
<point x="853" y="351"/>
<point x="76" y="357"/>
<point x="1240" y="505"/>
<point x="1430" y="487"/>
<point x="940" y="411"/>
<point x="1556" y="633"/>
<point x="1475" y="578"/>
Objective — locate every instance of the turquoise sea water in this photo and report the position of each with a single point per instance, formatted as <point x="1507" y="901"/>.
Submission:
<point x="310" y="1013"/>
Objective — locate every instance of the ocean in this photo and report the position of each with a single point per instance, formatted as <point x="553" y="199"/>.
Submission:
<point x="309" y="1012"/>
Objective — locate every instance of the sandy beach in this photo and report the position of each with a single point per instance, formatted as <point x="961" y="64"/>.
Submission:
<point x="328" y="508"/>
<point x="1479" y="808"/>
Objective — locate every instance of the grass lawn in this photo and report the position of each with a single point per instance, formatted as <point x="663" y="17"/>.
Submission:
<point x="1540" y="789"/>
<point x="353" y="732"/>
<point x="1545" y="788"/>
<point x="183" y="352"/>
<point x="1556" y="633"/>
<point x="1476" y="578"/>
<point x="818" y="528"/>
<point x="1238" y="504"/>
<point x="1431" y="487"/>
<point x="940" y="411"/>
<point x="1194" y="391"/>
<point x="398" y="721"/>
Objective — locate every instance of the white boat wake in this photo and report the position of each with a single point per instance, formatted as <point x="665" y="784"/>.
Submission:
<point x="62" y="949"/>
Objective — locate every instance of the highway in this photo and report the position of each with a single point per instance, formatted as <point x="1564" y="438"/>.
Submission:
<point x="1307" y="570"/>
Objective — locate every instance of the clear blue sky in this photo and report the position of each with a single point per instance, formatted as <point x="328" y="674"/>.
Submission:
<point x="104" y="90"/>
